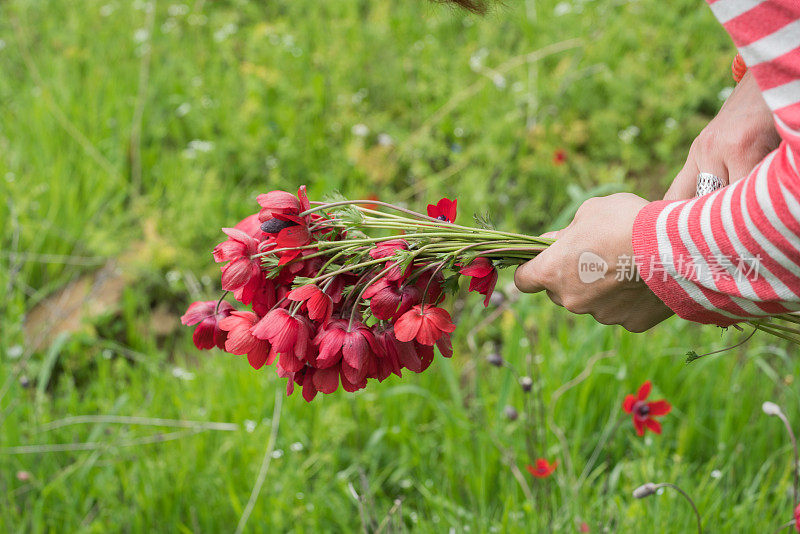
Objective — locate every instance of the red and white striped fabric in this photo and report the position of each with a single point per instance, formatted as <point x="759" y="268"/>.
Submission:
<point x="735" y="253"/>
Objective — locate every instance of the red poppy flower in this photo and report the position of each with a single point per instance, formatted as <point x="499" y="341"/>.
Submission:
<point x="319" y="305"/>
<point x="484" y="277"/>
<point x="277" y="202"/>
<point x="290" y="336"/>
<point x="208" y="333"/>
<point x="241" y="341"/>
<point x="388" y="300"/>
<point x="643" y="412"/>
<point x="444" y="210"/>
<point x="543" y="468"/>
<point x="423" y="325"/>
<point x="559" y="156"/>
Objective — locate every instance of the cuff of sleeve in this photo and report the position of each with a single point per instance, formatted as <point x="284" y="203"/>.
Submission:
<point x="650" y="264"/>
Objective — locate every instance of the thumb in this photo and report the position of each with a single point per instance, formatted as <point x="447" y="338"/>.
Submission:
<point x="528" y="277"/>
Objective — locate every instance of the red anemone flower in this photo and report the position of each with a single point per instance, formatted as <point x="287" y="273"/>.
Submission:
<point x="643" y="412"/>
<point x="251" y="226"/>
<point x="319" y="305"/>
<point x="208" y="333"/>
<point x="386" y="249"/>
<point x="423" y="325"/>
<point x="354" y="346"/>
<point x="559" y="156"/>
<point x="388" y="300"/>
<point x="242" y="273"/>
<point x="543" y="468"/>
<point x="444" y="210"/>
<point x="484" y="277"/>
<point x="290" y="336"/>
<point x="241" y="340"/>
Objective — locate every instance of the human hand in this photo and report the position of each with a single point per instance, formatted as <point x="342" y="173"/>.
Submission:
<point x="731" y="145"/>
<point x="603" y="226"/>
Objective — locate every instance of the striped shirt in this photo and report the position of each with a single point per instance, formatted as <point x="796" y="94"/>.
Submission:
<point x="735" y="253"/>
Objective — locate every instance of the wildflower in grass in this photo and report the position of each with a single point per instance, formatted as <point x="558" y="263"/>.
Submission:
<point x="423" y="325"/>
<point x="444" y="210"/>
<point x="483" y="277"/>
<point x="206" y="316"/>
<point x="241" y="340"/>
<point x="559" y="156"/>
<point x="643" y="412"/>
<point x="797" y="517"/>
<point x="495" y="359"/>
<point x="526" y="383"/>
<point x="542" y="469"/>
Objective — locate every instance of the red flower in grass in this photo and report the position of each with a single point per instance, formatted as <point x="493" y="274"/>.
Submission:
<point x="319" y="305"/>
<point x="290" y="336"/>
<point x="208" y="332"/>
<point x="643" y="412"/>
<point x="444" y="210"/>
<point x="483" y="277"/>
<point x="388" y="300"/>
<point x="241" y="340"/>
<point x="797" y="518"/>
<point x="425" y="326"/>
<point x="559" y="156"/>
<point x="542" y="469"/>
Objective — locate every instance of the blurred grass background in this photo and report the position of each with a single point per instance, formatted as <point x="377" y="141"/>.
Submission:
<point x="130" y="132"/>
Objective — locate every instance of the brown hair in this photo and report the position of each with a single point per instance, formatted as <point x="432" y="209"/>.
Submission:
<point x="476" y="6"/>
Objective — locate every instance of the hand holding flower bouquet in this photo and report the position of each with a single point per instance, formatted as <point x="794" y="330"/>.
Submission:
<point x="342" y="291"/>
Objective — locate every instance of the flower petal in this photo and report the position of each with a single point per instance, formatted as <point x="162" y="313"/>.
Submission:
<point x="653" y="425"/>
<point x="644" y="391"/>
<point x="659" y="407"/>
<point x="627" y="404"/>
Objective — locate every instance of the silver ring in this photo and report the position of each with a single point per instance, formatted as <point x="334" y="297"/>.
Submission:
<point x="708" y="183"/>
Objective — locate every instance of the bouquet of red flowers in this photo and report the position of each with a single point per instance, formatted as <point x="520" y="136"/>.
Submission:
<point x="347" y="290"/>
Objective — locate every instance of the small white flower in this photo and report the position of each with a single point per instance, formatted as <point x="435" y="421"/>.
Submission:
<point x="628" y="134"/>
<point x="15" y="351"/>
<point x="182" y="374"/>
<point x="277" y="453"/>
<point x="296" y="446"/>
<point x="201" y="146"/>
<point x="562" y="8"/>
<point x="249" y="425"/>
<point x="106" y="10"/>
<point x="458" y="132"/>
<point x="225" y="32"/>
<point x="183" y="109"/>
<point x="385" y="139"/>
<point x="176" y="10"/>
<point x="499" y="81"/>
<point x="299" y="495"/>
<point x="770" y="408"/>
<point x="360" y="130"/>
<point x="141" y="35"/>
<point x="670" y="124"/>
<point x="716" y="473"/>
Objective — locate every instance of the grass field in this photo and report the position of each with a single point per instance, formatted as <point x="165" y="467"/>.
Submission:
<point x="131" y="131"/>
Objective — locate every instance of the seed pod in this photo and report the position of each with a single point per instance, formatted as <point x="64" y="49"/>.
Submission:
<point x="645" y="490"/>
<point x="495" y="359"/>
<point x="511" y="413"/>
<point x="526" y="383"/>
<point x="273" y="226"/>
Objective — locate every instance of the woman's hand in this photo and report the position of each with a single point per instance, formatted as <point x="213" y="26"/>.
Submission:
<point x="731" y="145"/>
<point x="590" y="268"/>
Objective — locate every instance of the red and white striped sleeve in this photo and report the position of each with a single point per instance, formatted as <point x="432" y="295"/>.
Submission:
<point x="735" y="253"/>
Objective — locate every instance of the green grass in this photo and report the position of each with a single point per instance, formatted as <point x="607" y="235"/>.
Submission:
<point x="239" y="97"/>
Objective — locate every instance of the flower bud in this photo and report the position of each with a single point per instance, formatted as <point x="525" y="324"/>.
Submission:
<point x="770" y="408"/>
<point x="511" y="413"/>
<point x="645" y="490"/>
<point x="526" y="383"/>
<point x="495" y="359"/>
<point x="24" y="381"/>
